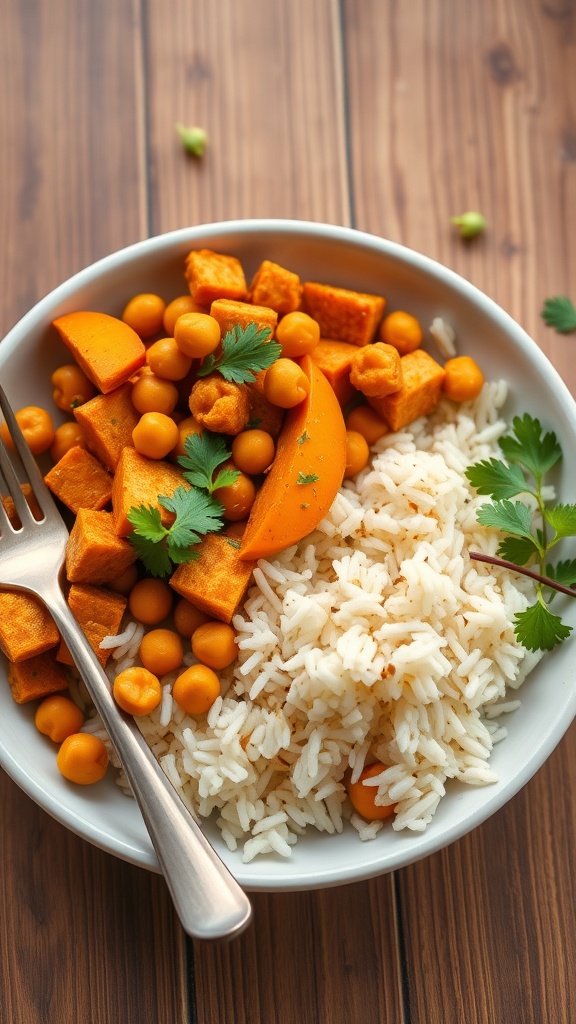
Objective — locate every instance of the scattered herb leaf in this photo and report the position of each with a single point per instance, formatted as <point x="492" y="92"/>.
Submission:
<point x="204" y="453"/>
<point x="193" y="139"/>
<point x="233" y="542"/>
<point x="305" y="504"/>
<point x="245" y="351"/>
<point x="252" y="424"/>
<point x="307" y="478"/>
<point x="532" y="533"/>
<point x="303" y="437"/>
<point x="159" y="546"/>
<point x="560" y="313"/>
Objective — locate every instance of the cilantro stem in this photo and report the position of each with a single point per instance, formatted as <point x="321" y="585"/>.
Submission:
<point x="543" y="580"/>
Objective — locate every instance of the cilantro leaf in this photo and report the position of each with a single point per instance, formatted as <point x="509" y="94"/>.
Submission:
<point x="147" y="523"/>
<point x="560" y="313"/>
<point x="536" y="453"/>
<point x="508" y="516"/>
<point x="563" y="572"/>
<point x="153" y="555"/>
<point x="244" y="352"/>
<point x="518" y="549"/>
<point x="204" y="453"/>
<point x="196" y="514"/>
<point x="307" y="478"/>
<point x="562" y="519"/>
<point x="495" y="478"/>
<point x="538" y="629"/>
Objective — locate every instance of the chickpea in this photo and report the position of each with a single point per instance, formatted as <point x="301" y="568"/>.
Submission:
<point x="154" y="394"/>
<point x="155" y="435"/>
<point x="182" y="304"/>
<point x="71" y="387"/>
<point x="401" y="330"/>
<point x="463" y="379"/>
<point x="150" y="601"/>
<point x="123" y="583"/>
<point x="167" y="361"/>
<point x="214" y="644"/>
<point x="186" y="426"/>
<point x="58" y="717"/>
<point x="363" y="420"/>
<point x="187" y="617"/>
<point x="236" y="498"/>
<point x="37" y="427"/>
<point x="362" y="797"/>
<point x="82" y="758"/>
<point x="197" y="334"/>
<point x="161" y="651"/>
<point x="285" y="384"/>
<point x="196" y="689"/>
<point x="144" y="314"/>
<point x="253" y="451"/>
<point x="137" y="691"/>
<point x="376" y="370"/>
<point x="357" y="453"/>
<point x="66" y="436"/>
<point x="298" y="334"/>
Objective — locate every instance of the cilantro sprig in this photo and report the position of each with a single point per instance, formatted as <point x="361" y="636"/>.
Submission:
<point x="159" y="547"/>
<point x="244" y="352"/>
<point x="560" y="313"/>
<point x="530" y="535"/>
<point x="204" y="453"/>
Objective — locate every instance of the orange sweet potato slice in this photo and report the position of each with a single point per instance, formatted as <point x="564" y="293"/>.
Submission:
<point x="107" y="349"/>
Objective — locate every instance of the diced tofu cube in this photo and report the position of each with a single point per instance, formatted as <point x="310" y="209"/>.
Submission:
<point x="80" y="481"/>
<point x="107" y="422"/>
<point x="26" y="626"/>
<point x="422" y="380"/>
<point x="217" y="581"/>
<point x="95" y="553"/>
<point x="334" y="359"/>
<point x="276" y="287"/>
<point x="36" y="678"/>
<point x="343" y="314"/>
<point x="99" y="613"/>
<point x="139" y="481"/>
<point x="230" y="314"/>
<point x="212" y="275"/>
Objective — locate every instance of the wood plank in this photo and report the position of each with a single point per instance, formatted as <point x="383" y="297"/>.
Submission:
<point x="456" y="107"/>
<point x="83" y="936"/>
<point x="265" y="81"/>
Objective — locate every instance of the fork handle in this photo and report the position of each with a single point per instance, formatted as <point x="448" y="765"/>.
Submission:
<point x="208" y="900"/>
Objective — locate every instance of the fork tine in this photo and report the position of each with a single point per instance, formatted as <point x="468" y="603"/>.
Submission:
<point x="35" y="478"/>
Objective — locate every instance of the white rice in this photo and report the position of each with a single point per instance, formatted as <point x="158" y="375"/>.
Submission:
<point x="376" y="635"/>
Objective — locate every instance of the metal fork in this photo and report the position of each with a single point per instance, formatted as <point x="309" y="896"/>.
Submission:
<point x="208" y="900"/>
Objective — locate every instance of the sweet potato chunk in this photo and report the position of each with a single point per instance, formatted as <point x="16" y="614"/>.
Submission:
<point x="139" y="481"/>
<point x="35" y="678"/>
<point x="99" y="613"/>
<point x="212" y="275"/>
<point x="376" y="370"/>
<point x="107" y="349"/>
<point x="80" y="481"/>
<point x="276" y="287"/>
<point x="422" y="380"/>
<point x="262" y="413"/>
<point x="343" y="314"/>
<point x="95" y="553"/>
<point x="334" y="359"/>
<point x="229" y="314"/>
<point x="108" y="422"/>
<point x="26" y="626"/>
<point x="30" y="498"/>
<point x="217" y="581"/>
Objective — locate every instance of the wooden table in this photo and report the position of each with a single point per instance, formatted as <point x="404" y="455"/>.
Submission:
<point x="390" y="117"/>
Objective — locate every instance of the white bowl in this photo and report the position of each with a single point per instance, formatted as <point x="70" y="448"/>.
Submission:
<point x="340" y="256"/>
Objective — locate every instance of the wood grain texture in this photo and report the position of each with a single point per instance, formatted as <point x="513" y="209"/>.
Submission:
<point x="456" y="107"/>
<point x="83" y="937"/>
